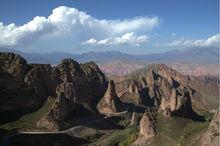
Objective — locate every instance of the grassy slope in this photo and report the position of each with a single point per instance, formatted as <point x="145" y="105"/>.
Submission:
<point x="171" y="132"/>
<point x="174" y="131"/>
<point x="209" y="92"/>
<point x="119" y="137"/>
<point x="29" y="121"/>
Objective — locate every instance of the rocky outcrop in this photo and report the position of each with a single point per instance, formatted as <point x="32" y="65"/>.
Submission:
<point x="110" y="102"/>
<point x="162" y="87"/>
<point x="211" y="136"/>
<point x="13" y="64"/>
<point x="53" y="119"/>
<point x="25" y="87"/>
<point x="78" y="85"/>
<point x="147" y="130"/>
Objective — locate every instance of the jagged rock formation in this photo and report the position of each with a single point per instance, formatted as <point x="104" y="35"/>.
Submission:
<point x="110" y="102"/>
<point x="162" y="87"/>
<point x="55" y="116"/>
<point x="78" y="85"/>
<point x="133" y="95"/>
<point x="147" y="129"/>
<point x="211" y="136"/>
<point x="25" y="87"/>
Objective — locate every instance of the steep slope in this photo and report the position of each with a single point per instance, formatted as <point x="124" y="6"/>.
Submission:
<point x="162" y="87"/>
<point x="110" y="102"/>
<point x="211" y="136"/>
<point x="207" y="88"/>
<point x="25" y="87"/>
<point x="79" y="88"/>
<point x="147" y="130"/>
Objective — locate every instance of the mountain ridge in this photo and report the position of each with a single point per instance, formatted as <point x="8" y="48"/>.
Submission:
<point x="196" y="55"/>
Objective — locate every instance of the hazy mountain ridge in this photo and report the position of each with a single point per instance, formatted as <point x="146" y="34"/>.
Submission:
<point x="195" y="55"/>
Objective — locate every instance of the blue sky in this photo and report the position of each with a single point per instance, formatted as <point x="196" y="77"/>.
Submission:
<point x="131" y="26"/>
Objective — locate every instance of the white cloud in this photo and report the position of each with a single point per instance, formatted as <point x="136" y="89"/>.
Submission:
<point x="173" y="34"/>
<point x="70" y="21"/>
<point x="127" y="38"/>
<point x="91" y="41"/>
<point x="213" y="41"/>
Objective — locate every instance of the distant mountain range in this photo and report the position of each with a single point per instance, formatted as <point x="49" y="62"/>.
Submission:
<point x="196" y="55"/>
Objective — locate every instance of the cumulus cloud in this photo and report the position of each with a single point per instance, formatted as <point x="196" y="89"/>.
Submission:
<point x="213" y="41"/>
<point x="70" y="21"/>
<point x="127" y="38"/>
<point x="173" y="34"/>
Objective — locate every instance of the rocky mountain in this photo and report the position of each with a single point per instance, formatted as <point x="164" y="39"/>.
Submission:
<point x="162" y="87"/>
<point x="110" y="102"/>
<point x="78" y="101"/>
<point x="25" y="87"/>
<point x="147" y="129"/>
<point x="199" y="61"/>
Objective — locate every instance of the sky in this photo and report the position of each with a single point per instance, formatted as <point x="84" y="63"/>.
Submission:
<point x="129" y="26"/>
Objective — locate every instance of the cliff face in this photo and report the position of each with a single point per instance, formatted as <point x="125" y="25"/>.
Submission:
<point x="77" y="85"/>
<point x="162" y="87"/>
<point x="110" y="102"/>
<point x="147" y="129"/>
<point x="25" y="87"/>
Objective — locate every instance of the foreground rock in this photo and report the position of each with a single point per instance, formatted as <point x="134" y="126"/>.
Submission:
<point x="110" y="102"/>
<point x="79" y="89"/>
<point x="147" y="130"/>
<point x="23" y="87"/>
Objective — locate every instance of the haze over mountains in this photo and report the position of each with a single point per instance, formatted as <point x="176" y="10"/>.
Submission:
<point x="196" y="55"/>
<point x="194" y="61"/>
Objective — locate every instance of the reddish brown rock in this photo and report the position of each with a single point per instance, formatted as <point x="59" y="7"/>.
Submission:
<point x="110" y="102"/>
<point x="147" y="130"/>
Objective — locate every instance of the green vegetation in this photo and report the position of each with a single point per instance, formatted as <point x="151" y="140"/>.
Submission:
<point x="174" y="131"/>
<point x="130" y="139"/>
<point x="29" y="121"/>
<point x="171" y="132"/>
<point x="119" y="137"/>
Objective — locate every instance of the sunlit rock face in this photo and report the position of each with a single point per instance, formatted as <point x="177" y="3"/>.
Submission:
<point x="110" y="102"/>
<point x="25" y="87"/>
<point x="162" y="87"/>
<point x="147" y="130"/>
<point x="77" y="85"/>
